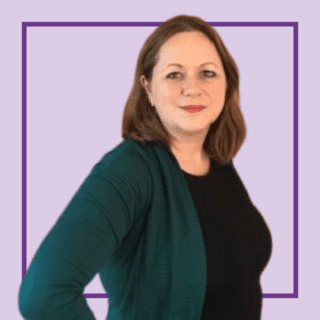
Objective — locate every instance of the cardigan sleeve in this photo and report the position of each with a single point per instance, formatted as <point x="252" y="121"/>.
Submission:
<point x="90" y="229"/>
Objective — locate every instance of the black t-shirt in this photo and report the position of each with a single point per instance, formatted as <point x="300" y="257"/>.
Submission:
<point x="238" y="244"/>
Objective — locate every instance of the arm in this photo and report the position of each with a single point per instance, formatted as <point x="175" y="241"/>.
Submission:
<point x="87" y="233"/>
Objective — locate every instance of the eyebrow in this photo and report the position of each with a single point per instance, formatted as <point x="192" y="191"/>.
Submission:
<point x="179" y="65"/>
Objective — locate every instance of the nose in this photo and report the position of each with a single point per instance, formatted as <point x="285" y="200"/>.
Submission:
<point x="191" y="86"/>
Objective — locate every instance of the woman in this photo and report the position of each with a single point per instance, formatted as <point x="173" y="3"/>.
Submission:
<point x="164" y="217"/>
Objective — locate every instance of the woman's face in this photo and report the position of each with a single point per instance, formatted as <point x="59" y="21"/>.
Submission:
<point x="200" y="80"/>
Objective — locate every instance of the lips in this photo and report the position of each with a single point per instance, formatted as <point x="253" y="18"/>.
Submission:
<point x="194" y="107"/>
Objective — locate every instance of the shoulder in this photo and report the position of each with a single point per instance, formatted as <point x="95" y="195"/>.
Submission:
<point x="129" y="159"/>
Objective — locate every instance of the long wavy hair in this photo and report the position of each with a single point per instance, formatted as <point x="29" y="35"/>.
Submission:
<point x="141" y="121"/>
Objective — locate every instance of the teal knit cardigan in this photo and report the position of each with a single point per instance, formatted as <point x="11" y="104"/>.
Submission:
<point x="132" y="221"/>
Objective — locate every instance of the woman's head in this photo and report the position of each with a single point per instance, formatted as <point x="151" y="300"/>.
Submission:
<point x="187" y="40"/>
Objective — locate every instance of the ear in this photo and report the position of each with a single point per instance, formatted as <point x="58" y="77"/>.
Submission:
<point x="146" y="86"/>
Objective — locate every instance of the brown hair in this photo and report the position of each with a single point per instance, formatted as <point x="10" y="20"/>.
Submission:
<point x="141" y="122"/>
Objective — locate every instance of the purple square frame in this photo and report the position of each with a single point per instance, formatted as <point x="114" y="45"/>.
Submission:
<point x="156" y="24"/>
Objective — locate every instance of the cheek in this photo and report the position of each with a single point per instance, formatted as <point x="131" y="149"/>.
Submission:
<point x="218" y="92"/>
<point x="167" y="93"/>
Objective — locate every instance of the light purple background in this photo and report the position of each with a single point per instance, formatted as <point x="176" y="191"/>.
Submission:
<point x="79" y="85"/>
<point x="75" y="78"/>
<point x="76" y="89"/>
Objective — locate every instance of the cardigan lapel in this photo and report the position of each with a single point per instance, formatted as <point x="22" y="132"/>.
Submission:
<point x="189" y="254"/>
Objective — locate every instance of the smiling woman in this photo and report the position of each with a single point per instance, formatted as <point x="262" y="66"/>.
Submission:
<point x="163" y="217"/>
<point x="201" y="82"/>
<point x="185" y="63"/>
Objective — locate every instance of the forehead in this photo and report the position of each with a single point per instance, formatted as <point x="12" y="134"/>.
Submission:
<point x="189" y="49"/>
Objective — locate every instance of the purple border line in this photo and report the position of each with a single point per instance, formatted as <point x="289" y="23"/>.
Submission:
<point x="155" y="24"/>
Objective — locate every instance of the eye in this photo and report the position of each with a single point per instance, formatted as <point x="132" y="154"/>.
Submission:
<point x="213" y="74"/>
<point x="172" y="73"/>
<point x="209" y="74"/>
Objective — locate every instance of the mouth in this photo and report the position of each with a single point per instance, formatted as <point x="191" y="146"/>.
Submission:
<point x="193" y="108"/>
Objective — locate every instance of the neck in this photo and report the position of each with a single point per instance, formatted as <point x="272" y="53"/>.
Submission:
<point x="189" y="152"/>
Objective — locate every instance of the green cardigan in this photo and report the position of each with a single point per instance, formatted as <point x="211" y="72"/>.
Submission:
<point x="132" y="221"/>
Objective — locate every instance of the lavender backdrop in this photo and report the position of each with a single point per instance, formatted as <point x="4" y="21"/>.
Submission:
<point x="78" y="79"/>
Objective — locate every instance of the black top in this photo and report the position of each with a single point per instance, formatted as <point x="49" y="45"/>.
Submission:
<point x="238" y="244"/>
